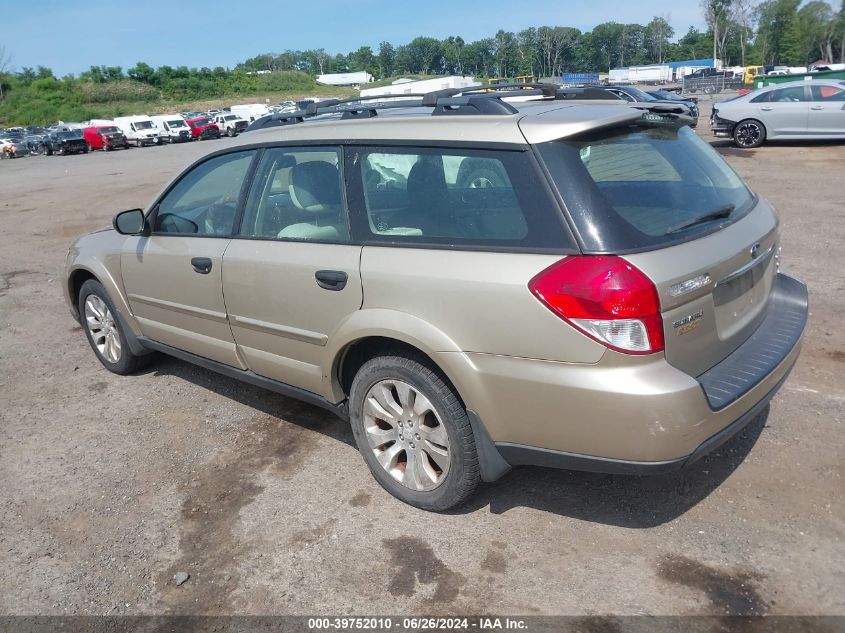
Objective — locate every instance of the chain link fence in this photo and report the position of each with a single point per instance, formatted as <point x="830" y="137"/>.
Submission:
<point x="709" y="85"/>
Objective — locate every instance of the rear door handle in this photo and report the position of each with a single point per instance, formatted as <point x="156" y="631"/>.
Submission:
<point x="202" y="265"/>
<point x="816" y="107"/>
<point x="331" y="279"/>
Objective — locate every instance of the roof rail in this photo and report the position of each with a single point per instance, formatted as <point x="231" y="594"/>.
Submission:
<point x="479" y="100"/>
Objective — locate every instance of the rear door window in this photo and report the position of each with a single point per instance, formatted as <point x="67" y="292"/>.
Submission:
<point x="827" y="93"/>
<point x="636" y="187"/>
<point x="297" y="195"/>
<point x="457" y="197"/>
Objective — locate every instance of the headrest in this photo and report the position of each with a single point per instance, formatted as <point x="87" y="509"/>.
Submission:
<point x="315" y="187"/>
<point x="426" y="178"/>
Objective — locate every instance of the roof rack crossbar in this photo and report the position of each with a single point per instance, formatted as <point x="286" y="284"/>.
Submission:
<point x="319" y="107"/>
<point x="472" y="104"/>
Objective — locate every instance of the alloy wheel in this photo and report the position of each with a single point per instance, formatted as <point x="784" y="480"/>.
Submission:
<point x="102" y="328"/>
<point x="406" y="435"/>
<point x="748" y="134"/>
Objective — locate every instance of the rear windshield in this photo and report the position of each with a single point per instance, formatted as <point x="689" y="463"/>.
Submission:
<point x="641" y="187"/>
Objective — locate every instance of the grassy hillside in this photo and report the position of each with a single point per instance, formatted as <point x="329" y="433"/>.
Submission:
<point x="46" y="100"/>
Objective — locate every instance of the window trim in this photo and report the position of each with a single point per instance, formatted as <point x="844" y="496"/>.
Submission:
<point x="571" y="244"/>
<point x="360" y="228"/>
<point x="237" y="235"/>
<point x="152" y="212"/>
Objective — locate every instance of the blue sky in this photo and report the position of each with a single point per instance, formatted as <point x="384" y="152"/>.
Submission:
<point x="71" y="35"/>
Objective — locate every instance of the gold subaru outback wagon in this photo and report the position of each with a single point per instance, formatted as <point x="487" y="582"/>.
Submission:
<point x="474" y="280"/>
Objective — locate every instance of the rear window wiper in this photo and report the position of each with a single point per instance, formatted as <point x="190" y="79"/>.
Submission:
<point x="721" y="212"/>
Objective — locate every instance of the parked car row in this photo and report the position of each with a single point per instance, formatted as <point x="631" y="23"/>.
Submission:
<point x="136" y="130"/>
<point x="120" y="133"/>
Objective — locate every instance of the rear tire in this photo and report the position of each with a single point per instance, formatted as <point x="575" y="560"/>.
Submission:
<point x="749" y="133"/>
<point x="419" y="446"/>
<point x="104" y="331"/>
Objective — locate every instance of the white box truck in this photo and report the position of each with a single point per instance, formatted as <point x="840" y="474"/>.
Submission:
<point x="174" y="127"/>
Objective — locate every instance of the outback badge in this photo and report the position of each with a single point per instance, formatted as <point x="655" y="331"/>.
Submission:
<point x="689" y="322"/>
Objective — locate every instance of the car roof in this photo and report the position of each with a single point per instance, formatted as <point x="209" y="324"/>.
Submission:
<point x="803" y="82"/>
<point x="535" y="121"/>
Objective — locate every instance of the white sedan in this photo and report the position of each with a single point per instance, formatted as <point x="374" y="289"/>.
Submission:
<point x="799" y="110"/>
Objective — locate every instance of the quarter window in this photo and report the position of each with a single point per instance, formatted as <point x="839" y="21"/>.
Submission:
<point x="297" y="195"/>
<point x="205" y="200"/>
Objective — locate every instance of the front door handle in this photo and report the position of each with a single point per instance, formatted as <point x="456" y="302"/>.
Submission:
<point x="816" y="107"/>
<point x="766" y="108"/>
<point x="331" y="279"/>
<point x="202" y="265"/>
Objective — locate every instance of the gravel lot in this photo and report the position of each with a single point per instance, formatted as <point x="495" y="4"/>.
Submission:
<point x="111" y="485"/>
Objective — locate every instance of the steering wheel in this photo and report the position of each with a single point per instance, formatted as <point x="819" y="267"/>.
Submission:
<point x="220" y="215"/>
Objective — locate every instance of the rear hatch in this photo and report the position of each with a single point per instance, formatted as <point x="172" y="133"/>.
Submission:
<point x="659" y="196"/>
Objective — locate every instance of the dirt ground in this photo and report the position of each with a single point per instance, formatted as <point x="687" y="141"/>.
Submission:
<point x="111" y="485"/>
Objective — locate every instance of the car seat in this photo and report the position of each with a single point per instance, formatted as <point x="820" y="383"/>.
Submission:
<point x="315" y="190"/>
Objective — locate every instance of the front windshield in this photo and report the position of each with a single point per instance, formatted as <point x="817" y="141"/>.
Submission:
<point x="143" y="125"/>
<point x="109" y="130"/>
<point x="201" y="122"/>
<point x="70" y="134"/>
<point x="231" y="117"/>
<point x="176" y="123"/>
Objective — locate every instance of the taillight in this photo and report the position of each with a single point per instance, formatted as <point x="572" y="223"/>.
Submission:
<point x="605" y="297"/>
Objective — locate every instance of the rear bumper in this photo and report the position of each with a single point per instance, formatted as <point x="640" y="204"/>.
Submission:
<point x="635" y="415"/>
<point x="517" y="455"/>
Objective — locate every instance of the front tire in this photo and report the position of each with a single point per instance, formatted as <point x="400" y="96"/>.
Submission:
<point x="104" y="331"/>
<point x="413" y="431"/>
<point x="749" y="134"/>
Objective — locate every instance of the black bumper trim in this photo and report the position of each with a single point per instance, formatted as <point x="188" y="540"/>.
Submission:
<point x="521" y="455"/>
<point x="766" y="348"/>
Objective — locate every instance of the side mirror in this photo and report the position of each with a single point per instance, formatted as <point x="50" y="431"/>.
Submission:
<point x="130" y="222"/>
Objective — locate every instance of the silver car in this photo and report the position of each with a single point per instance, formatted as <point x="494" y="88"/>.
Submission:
<point x="472" y="284"/>
<point x="799" y="110"/>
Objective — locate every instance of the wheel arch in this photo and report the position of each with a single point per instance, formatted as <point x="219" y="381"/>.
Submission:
<point x="371" y="331"/>
<point x="455" y="368"/>
<point x="75" y="279"/>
